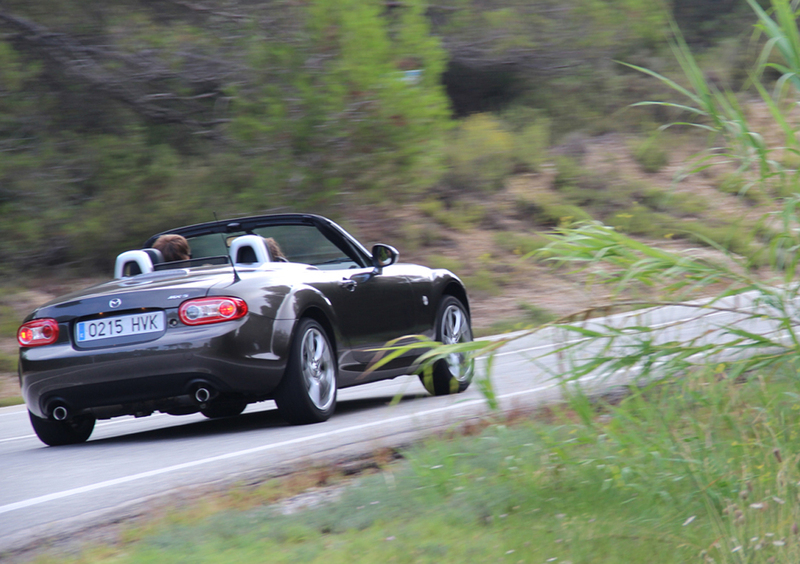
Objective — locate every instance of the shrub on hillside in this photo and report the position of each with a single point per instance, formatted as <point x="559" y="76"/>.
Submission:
<point x="650" y="153"/>
<point x="480" y="154"/>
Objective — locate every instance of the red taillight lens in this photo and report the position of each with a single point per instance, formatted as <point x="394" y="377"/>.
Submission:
<point x="211" y="310"/>
<point x="37" y="333"/>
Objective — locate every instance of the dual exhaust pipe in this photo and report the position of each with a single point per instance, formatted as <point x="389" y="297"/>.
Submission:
<point x="59" y="411"/>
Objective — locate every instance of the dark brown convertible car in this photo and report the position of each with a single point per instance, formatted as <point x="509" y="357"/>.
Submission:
<point x="236" y="324"/>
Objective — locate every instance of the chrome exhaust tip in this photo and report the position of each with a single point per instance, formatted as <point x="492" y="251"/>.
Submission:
<point x="202" y="395"/>
<point x="60" y="413"/>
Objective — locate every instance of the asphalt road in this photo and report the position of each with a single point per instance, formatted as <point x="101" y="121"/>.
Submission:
<point x="128" y="463"/>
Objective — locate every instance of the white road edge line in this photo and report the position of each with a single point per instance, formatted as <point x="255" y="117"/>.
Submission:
<point x="19" y="438"/>
<point x="480" y="358"/>
<point x="125" y="479"/>
<point x="127" y="419"/>
<point x="150" y="473"/>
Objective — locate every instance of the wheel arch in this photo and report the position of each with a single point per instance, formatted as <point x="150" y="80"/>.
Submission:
<point x="307" y="301"/>
<point x="456" y="290"/>
<point x="317" y="314"/>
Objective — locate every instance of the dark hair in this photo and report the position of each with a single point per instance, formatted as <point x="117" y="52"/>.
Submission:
<point x="173" y="247"/>
<point x="274" y="249"/>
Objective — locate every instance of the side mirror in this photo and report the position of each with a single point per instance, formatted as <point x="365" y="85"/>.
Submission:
<point x="384" y="255"/>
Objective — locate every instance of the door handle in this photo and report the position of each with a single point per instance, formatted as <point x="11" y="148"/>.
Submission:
<point x="348" y="284"/>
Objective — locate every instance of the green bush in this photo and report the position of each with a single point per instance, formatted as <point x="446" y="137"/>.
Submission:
<point x="419" y="234"/>
<point x="682" y="203"/>
<point x="737" y="239"/>
<point x="520" y="243"/>
<point x="442" y="261"/>
<point x="531" y="131"/>
<point x="529" y="317"/>
<point x="480" y="154"/>
<point x="650" y="153"/>
<point x="554" y="214"/>
<point x="531" y="144"/>
<point x="535" y="314"/>
<point x="640" y="220"/>
<point x="459" y="215"/>
<point x="736" y="185"/>
<point x="548" y="208"/>
<point x="485" y="281"/>
<point x="569" y="172"/>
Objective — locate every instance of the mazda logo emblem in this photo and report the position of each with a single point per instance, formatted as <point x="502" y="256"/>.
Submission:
<point x="116" y="302"/>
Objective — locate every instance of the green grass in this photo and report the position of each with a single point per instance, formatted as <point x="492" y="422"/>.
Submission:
<point x="460" y="215"/>
<point x="9" y="401"/>
<point x="702" y="466"/>
<point x="529" y="317"/>
<point x="10" y="321"/>
<point x="737" y="185"/>
<point x="481" y="151"/>
<point x="520" y="243"/>
<point x="640" y="220"/>
<point x="442" y="261"/>
<point x="8" y="363"/>
<point x="678" y="203"/>
<point x="486" y="281"/>
<point x="650" y="153"/>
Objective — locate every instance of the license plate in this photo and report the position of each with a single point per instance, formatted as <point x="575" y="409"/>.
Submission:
<point x="121" y="326"/>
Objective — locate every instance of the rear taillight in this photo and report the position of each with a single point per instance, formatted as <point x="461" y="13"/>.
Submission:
<point x="37" y="333"/>
<point x="211" y="310"/>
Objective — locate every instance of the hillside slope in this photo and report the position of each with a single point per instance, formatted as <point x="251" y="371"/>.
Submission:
<point x="485" y="238"/>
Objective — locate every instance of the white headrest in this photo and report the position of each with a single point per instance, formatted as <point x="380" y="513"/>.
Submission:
<point x="249" y="250"/>
<point x="131" y="263"/>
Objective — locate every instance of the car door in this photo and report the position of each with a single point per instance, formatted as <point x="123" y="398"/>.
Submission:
<point x="373" y="307"/>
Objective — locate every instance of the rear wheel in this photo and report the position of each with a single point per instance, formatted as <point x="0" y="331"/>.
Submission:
<point x="452" y="374"/>
<point x="58" y="433"/>
<point x="307" y="393"/>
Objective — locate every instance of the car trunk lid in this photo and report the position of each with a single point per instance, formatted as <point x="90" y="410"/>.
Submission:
<point x="159" y="290"/>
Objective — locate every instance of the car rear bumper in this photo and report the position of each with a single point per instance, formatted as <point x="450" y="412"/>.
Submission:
<point x="139" y="379"/>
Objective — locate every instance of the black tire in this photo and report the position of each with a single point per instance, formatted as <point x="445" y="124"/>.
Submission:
<point x="220" y="409"/>
<point x="307" y="392"/>
<point x="451" y="375"/>
<point x="58" y="433"/>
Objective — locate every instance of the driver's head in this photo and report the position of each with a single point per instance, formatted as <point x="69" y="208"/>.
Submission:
<point x="173" y="247"/>
<point x="274" y="249"/>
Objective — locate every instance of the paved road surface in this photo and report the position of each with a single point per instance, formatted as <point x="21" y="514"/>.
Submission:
<point x="127" y="462"/>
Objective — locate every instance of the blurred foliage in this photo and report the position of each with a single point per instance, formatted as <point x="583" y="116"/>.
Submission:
<point x="10" y="321"/>
<point x="442" y="261"/>
<point x="118" y="120"/>
<point x="527" y="316"/>
<point x="459" y="215"/>
<point x="650" y="153"/>
<point x="520" y="243"/>
<point x="8" y="363"/>
<point x="738" y="185"/>
<point x="235" y="111"/>
<point x="480" y="154"/>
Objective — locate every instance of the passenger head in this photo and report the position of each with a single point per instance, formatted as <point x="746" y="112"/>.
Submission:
<point x="274" y="250"/>
<point x="173" y="247"/>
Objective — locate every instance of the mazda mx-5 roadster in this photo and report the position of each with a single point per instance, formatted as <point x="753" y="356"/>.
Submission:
<point x="287" y="307"/>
